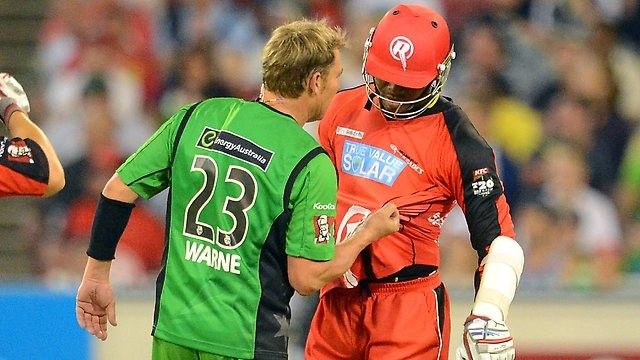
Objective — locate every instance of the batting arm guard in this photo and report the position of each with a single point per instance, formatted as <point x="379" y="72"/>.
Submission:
<point x="502" y="269"/>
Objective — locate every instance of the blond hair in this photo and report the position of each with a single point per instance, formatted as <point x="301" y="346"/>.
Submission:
<point x="294" y="51"/>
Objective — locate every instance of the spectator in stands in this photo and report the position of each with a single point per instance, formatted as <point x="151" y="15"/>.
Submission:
<point x="595" y="255"/>
<point x="548" y="236"/>
<point x="197" y="78"/>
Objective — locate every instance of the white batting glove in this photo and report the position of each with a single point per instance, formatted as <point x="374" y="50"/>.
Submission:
<point x="485" y="339"/>
<point x="11" y="95"/>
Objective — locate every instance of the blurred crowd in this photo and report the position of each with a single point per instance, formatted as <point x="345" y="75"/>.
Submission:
<point x="553" y="85"/>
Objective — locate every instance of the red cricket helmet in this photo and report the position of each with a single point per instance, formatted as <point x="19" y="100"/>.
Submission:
<point x="410" y="47"/>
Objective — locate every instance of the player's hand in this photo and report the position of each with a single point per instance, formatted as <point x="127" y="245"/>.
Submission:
<point x="384" y="221"/>
<point x="95" y="304"/>
<point x="485" y="339"/>
<point x="12" y="97"/>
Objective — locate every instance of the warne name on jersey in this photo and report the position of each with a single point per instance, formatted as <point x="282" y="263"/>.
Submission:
<point x="206" y="254"/>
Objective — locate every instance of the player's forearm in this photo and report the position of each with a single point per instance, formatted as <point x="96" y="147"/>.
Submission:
<point x="21" y="126"/>
<point x="111" y="218"/>
<point x="346" y="253"/>
<point x="319" y="274"/>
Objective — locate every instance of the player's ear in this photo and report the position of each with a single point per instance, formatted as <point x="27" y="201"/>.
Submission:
<point x="315" y="83"/>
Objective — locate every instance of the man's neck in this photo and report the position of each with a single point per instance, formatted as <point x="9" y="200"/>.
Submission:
<point x="296" y="108"/>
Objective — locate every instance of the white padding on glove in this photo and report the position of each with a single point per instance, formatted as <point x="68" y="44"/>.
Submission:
<point x="11" y="88"/>
<point x="485" y="339"/>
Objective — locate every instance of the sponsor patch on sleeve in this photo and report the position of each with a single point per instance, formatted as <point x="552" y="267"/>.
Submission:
<point x="324" y="227"/>
<point x="19" y="151"/>
<point x="484" y="182"/>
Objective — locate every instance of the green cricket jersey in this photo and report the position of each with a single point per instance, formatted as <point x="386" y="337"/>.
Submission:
<point x="248" y="186"/>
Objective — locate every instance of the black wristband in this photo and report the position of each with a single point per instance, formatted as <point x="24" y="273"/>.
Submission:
<point x="109" y="223"/>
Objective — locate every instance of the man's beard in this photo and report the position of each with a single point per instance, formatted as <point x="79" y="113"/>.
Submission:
<point x="394" y="107"/>
<point x="399" y="110"/>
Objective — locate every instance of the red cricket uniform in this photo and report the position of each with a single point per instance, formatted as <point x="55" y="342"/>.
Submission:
<point x="24" y="169"/>
<point x="424" y="165"/>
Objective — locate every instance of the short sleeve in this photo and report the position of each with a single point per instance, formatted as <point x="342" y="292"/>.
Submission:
<point x="311" y="231"/>
<point x="147" y="171"/>
<point x="24" y="168"/>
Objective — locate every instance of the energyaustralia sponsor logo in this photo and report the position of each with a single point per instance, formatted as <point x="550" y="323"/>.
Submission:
<point x="371" y="163"/>
<point x="235" y="146"/>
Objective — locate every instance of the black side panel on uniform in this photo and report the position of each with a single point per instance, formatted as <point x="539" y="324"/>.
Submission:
<point x="479" y="179"/>
<point x="440" y="296"/>
<point x="161" y="274"/>
<point x="274" y="313"/>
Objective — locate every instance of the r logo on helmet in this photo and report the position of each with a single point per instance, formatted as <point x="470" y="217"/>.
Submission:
<point x="401" y="49"/>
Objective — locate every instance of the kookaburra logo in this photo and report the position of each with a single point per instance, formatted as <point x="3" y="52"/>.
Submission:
<point x="401" y="49"/>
